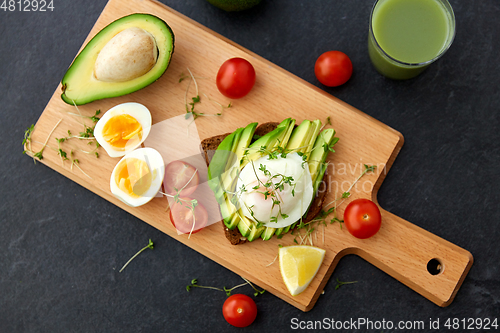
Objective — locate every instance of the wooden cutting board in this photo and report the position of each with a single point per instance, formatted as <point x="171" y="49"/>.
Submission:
<point x="400" y="248"/>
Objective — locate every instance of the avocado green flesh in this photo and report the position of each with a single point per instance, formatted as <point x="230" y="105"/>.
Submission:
<point x="245" y="139"/>
<point x="318" y="156"/>
<point x="255" y="232"/>
<point x="306" y="138"/>
<point x="234" y="222"/>
<point x="217" y="167"/>
<point x="245" y="225"/>
<point x="79" y="84"/>
<point x="268" y="141"/>
<point x="227" y="211"/>
<point x="299" y="135"/>
<point x="316" y="126"/>
<point x="268" y="233"/>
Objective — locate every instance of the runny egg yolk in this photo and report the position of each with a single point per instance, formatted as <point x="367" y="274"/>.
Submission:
<point x="133" y="177"/>
<point x="122" y="130"/>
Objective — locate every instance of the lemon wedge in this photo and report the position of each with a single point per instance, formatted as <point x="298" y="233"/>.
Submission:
<point x="299" y="265"/>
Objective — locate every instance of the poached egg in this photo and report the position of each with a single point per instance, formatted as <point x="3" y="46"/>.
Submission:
<point x="277" y="191"/>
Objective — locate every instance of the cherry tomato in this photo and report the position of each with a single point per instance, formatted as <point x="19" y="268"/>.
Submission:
<point x="333" y="68"/>
<point x="177" y="175"/>
<point x="239" y="310"/>
<point x="362" y="218"/>
<point x="235" y="78"/>
<point x="181" y="216"/>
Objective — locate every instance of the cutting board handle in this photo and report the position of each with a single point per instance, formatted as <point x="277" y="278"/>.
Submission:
<point x="426" y="263"/>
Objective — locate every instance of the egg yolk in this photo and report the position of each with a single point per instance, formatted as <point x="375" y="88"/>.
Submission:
<point x="122" y="130"/>
<point x="133" y="177"/>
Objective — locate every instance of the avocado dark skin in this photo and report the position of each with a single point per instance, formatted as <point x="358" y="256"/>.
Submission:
<point x="234" y="5"/>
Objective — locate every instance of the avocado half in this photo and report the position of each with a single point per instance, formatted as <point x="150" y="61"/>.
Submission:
<point x="79" y="84"/>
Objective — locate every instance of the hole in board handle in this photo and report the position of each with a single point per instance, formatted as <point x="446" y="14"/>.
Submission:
<point x="435" y="267"/>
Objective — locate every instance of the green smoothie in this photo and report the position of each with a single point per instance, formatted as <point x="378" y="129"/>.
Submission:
<point x="407" y="35"/>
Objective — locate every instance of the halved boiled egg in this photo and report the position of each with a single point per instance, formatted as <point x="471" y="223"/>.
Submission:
<point x="137" y="178"/>
<point x="123" y="128"/>
<point x="276" y="192"/>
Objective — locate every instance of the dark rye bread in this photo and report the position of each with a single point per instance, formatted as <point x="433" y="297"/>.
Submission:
<point x="209" y="146"/>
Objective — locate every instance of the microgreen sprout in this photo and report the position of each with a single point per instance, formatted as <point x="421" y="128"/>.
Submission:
<point x="27" y="141"/>
<point x="87" y="134"/>
<point x="27" y="138"/>
<point x="222" y="107"/>
<point x="329" y="147"/>
<point x="149" y="246"/>
<point x="190" y="106"/>
<point x="194" y="284"/>
<point x="191" y="204"/>
<point x="272" y="190"/>
<point x="75" y="162"/>
<point x="328" y="122"/>
<point x="321" y="218"/>
<point x="341" y="283"/>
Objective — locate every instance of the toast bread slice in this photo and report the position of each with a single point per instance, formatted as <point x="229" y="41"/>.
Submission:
<point x="209" y="146"/>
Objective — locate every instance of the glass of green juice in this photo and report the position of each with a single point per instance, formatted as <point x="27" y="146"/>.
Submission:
<point x="406" y="36"/>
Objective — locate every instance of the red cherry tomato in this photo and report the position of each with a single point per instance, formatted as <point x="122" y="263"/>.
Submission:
<point x="239" y="310"/>
<point x="177" y="175"/>
<point x="362" y="218"/>
<point x="181" y="216"/>
<point x="235" y="78"/>
<point x="333" y="68"/>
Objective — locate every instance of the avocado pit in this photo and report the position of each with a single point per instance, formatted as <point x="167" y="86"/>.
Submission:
<point x="128" y="55"/>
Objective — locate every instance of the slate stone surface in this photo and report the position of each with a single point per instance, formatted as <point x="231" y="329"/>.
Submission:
<point x="61" y="246"/>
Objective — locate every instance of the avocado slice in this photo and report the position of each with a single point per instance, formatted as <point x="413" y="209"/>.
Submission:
<point x="270" y="140"/>
<point x="227" y="211"/>
<point x="80" y="85"/>
<point x="255" y="232"/>
<point x="244" y="225"/>
<point x="234" y="222"/>
<point x="218" y="165"/>
<point x="319" y="152"/>
<point x="318" y="156"/>
<point x="299" y="136"/>
<point x="313" y="135"/>
<point x="245" y="139"/>
<point x="268" y="233"/>
<point x="231" y="171"/>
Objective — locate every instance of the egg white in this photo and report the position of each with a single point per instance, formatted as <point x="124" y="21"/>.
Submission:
<point x="156" y="165"/>
<point x="136" y="110"/>
<point x="294" y="205"/>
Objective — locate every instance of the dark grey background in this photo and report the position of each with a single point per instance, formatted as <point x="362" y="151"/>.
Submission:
<point x="61" y="246"/>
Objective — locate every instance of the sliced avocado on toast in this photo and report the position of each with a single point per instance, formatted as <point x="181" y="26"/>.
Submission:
<point x="236" y="150"/>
